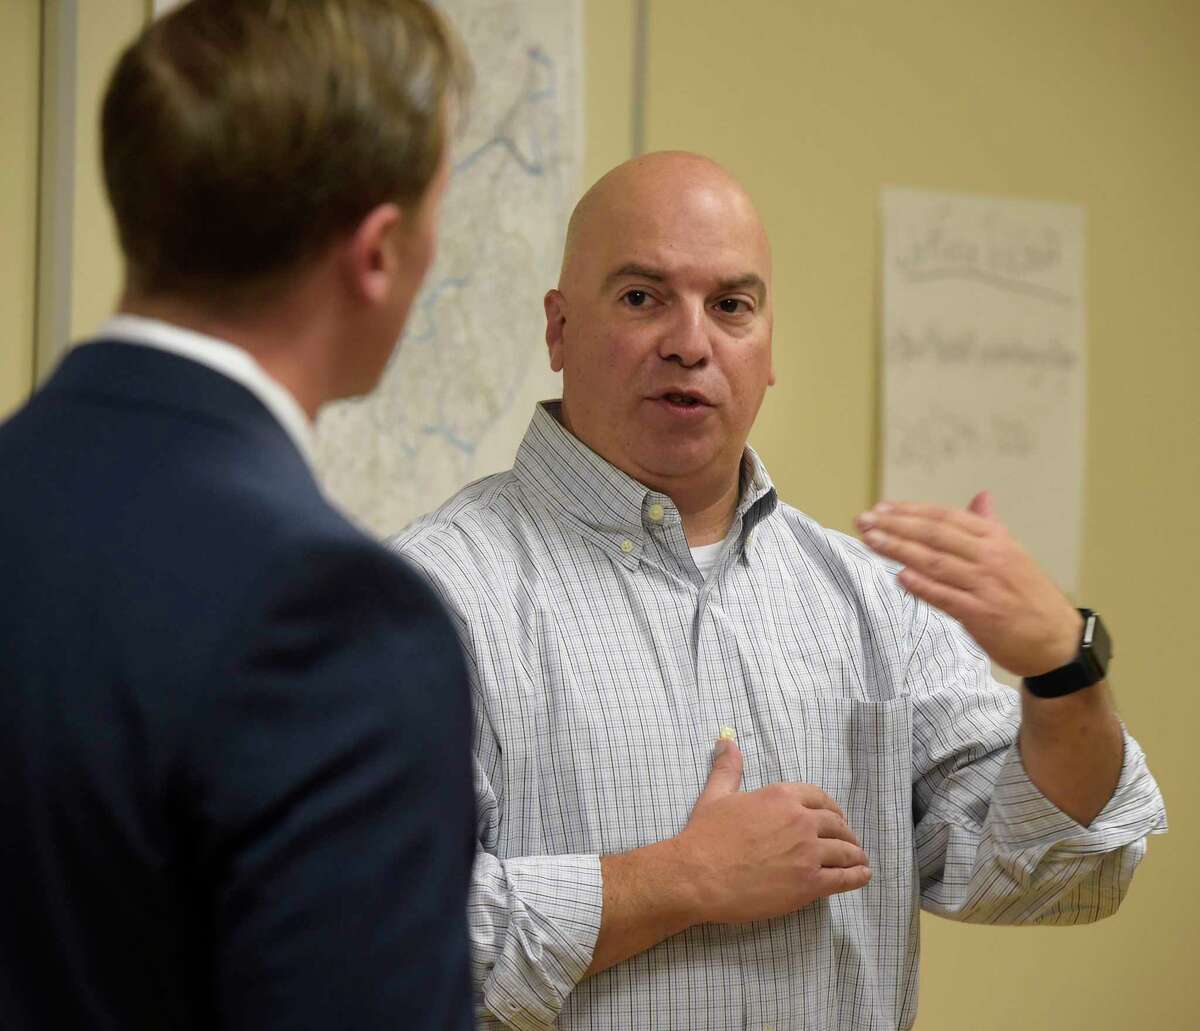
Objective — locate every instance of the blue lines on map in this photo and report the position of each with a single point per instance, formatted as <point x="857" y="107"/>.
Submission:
<point x="539" y="87"/>
<point x="425" y="308"/>
<point x="467" y="447"/>
<point x="526" y="135"/>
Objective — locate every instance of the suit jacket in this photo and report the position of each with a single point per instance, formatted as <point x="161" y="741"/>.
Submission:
<point x="234" y="745"/>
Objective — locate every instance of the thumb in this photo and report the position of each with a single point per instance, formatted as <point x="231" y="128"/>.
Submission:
<point x="725" y="777"/>
<point x="983" y="504"/>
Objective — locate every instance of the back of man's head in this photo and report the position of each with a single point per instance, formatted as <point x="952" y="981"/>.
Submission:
<point x="241" y="137"/>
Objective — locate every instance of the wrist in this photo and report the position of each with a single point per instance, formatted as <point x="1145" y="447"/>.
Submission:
<point x="1087" y="668"/>
<point x="1063" y="646"/>
<point x="661" y="880"/>
<point x="684" y="889"/>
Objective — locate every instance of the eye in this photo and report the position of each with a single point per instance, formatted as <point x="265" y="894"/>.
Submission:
<point x="733" y="306"/>
<point x="636" y="298"/>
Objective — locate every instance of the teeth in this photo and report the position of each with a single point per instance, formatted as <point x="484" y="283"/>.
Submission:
<point x="680" y="399"/>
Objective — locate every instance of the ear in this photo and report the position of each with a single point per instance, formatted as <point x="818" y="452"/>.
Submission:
<point x="371" y="259"/>
<point x="555" y="305"/>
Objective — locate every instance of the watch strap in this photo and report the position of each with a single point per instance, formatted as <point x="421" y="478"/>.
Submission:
<point x="1089" y="666"/>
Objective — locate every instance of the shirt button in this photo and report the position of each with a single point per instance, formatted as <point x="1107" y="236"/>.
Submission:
<point x="655" y="512"/>
<point x="627" y="545"/>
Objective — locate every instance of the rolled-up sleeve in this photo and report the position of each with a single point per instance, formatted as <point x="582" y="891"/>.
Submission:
<point x="533" y="925"/>
<point x="533" y="920"/>
<point x="990" y="847"/>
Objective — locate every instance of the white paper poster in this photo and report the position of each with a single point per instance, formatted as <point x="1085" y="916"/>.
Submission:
<point x="983" y="345"/>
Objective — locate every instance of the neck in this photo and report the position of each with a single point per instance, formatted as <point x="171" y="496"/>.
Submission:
<point x="706" y="501"/>
<point x="707" y="514"/>
<point x="290" y="338"/>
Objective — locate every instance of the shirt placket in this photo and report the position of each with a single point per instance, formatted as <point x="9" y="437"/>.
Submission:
<point x="719" y="682"/>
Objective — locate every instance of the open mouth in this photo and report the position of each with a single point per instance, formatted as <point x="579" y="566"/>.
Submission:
<point x="683" y="400"/>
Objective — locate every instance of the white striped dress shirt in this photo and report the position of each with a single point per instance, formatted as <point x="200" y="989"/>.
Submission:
<point x="604" y="666"/>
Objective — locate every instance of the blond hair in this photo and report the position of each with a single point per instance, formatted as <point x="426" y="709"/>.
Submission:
<point x="241" y="137"/>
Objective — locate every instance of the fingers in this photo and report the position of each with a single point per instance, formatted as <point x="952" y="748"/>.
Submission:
<point x="834" y="880"/>
<point x="983" y="504"/>
<point x="968" y="521"/>
<point x="827" y="815"/>
<point x="814" y="798"/>
<point x="834" y="853"/>
<point x="725" y="776"/>
<point x="941" y="566"/>
<point x="835" y="828"/>
<point x="942" y="533"/>
<point x="954" y="601"/>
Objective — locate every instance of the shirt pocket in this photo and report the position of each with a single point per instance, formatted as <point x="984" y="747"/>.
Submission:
<point x="860" y="754"/>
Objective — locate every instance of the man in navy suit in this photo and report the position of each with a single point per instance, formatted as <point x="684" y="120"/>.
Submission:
<point x="234" y="758"/>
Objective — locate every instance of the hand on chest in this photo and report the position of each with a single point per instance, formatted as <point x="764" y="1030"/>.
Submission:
<point x="607" y="736"/>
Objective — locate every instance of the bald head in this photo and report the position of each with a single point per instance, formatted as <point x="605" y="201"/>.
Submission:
<point x="661" y="326"/>
<point x="646" y="196"/>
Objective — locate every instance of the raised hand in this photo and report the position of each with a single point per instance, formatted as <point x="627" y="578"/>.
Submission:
<point x="967" y="564"/>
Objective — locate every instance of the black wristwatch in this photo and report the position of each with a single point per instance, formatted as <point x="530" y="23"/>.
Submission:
<point x="1089" y="666"/>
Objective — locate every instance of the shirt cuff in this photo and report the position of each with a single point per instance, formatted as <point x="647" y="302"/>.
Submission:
<point x="556" y="925"/>
<point x="1023" y="820"/>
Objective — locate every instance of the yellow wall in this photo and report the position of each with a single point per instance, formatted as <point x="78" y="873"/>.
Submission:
<point x="815" y="106"/>
<point x="19" y="69"/>
<point x="104" y="30"/>
<point x="608" y="30"/>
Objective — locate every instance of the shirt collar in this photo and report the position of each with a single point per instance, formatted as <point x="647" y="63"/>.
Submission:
<point x="566" y="472"/>
<point x="228" y="359"/>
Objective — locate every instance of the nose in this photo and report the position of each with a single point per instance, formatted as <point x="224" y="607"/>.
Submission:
<point x="686" y="340"/>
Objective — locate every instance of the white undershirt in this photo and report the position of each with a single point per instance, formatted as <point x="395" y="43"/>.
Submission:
<point x="229" y="360"/>
<point x="705" y="556"/>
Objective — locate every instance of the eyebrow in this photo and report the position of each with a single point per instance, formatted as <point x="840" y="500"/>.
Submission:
<point x="751" y="280"/>
<point x="635" y="272"/>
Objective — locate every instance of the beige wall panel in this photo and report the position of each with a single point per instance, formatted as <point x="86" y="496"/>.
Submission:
<point x="20" y="37"/>
<point x="816" y="106"/>
<point x="104" y="31"/>
<point x="609" y="35"/>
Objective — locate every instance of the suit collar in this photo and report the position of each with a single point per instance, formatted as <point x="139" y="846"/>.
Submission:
<point x="221" y="356"/>
<point x="120" y="372"/>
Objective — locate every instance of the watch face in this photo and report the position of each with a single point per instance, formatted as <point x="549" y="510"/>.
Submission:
<point x="1095" y="647"/>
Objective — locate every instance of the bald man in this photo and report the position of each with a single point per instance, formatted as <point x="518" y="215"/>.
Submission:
<point x="722" y="753"/>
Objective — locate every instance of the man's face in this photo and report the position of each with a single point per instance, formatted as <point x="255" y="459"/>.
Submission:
<point x="662" y="329"/>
